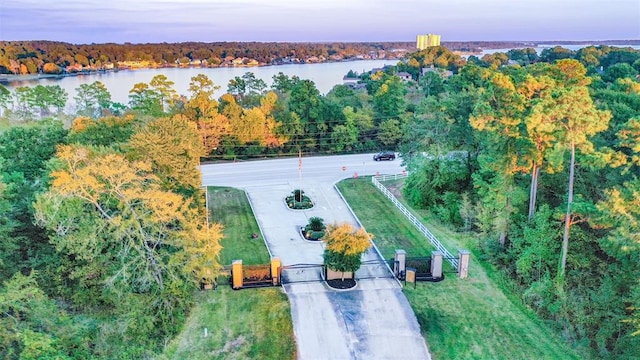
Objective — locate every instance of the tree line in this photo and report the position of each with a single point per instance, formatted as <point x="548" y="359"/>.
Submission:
<point x="32" y="57"/>
<point x="53" y="57"/>
<point x="249" y="120"/>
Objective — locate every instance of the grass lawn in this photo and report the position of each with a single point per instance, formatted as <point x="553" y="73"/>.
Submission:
<point x="474" y="318"/>
<point x="231" y="208"/>
<point x="242" y="324"/>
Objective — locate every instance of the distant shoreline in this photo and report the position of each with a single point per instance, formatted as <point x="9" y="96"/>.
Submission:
<point x="7" y="78"/>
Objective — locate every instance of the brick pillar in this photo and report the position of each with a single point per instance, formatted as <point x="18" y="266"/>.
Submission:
<point x="236" y="273"/>
<point x="463" y="264"/>
<point x="436" y="264"/>
<point x="275" y="270"/>
<point x="399" y="263"/>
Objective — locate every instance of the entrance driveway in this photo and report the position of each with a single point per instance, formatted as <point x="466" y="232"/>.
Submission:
<point x="374" y="321"/>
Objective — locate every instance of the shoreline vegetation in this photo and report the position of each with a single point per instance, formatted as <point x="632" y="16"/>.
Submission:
<point x="130" y="67"/>
<point x="34" y="60"/>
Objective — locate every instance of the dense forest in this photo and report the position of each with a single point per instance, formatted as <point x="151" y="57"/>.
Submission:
<point x="535" y="154"/>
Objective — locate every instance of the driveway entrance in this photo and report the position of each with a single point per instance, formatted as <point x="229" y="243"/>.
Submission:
<point x="374" y="321"/>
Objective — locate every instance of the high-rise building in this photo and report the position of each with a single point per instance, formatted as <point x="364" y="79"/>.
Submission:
<point x="425" y="41"/>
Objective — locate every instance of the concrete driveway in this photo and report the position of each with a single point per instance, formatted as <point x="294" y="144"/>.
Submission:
<point x="374" y="321"/>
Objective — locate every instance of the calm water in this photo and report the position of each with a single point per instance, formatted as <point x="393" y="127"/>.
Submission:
<point x="324" y="75"/>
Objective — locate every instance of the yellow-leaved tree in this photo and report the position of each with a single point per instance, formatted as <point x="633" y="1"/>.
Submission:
<point x="202" y="108"/>
<point x="174" y="147"/>
<point x="345" y="246"/>
<point x="139" y="244"/>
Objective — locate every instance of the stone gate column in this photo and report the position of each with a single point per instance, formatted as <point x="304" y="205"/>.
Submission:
<point x="399" y="263"/>
<point x="436" y="264"/>
<point x="236" y="274"/>
<point x="463" y="263"/>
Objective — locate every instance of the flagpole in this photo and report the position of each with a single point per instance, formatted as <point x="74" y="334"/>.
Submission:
<point x="300" y="169"/>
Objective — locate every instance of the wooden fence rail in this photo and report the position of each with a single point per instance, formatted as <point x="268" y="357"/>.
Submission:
<point x="423" y="229"/>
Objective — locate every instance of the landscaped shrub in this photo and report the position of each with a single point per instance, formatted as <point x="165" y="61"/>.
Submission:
<point x="297" y="200"/>
<point x="316" y="223"/>
<point x="314" y="229"/>
<point x="315" y="235"/>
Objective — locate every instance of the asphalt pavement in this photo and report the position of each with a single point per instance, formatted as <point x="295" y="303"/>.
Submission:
<point x="372" y="321"/>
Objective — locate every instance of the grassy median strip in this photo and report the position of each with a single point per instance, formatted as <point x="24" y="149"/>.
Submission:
<point x="474" y="318"/>
<point x="242" y="324"/>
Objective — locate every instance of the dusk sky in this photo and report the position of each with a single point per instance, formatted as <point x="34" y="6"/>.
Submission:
<point x="153" y="21"/>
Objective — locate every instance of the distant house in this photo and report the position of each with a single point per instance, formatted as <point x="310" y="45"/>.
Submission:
<point x="382" y="69"/>
<point x="405" y="76"/>
<point x="350" y="80"/>
<point x="442" y="72"/>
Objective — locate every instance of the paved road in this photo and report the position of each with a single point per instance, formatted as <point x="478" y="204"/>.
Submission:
<point x="374" y="321"/>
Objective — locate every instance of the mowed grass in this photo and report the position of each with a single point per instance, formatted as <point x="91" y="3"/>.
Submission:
<point x="230" y="207"/>
<point x="474" y="318"/>
<point x="240" y="324"/>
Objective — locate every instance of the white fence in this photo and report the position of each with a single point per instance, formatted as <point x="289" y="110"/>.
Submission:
<point x="423" y="229"/>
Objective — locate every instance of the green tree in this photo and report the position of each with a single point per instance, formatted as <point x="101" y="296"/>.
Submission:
<point x="32" y="326"/>
<point x="247" y="88"/>
<point x="550" y="55"/>
<point x="161" y="85"/>
<point x="5" y="98"/>
<point x="388" y="100"/>
<point x="47" y="99"/>
<point x="541" y="131"/>
<point x="173" y="147"/>
<point x="141" y="243"/>
<point x="8" y="244"/>
<point x="620" y="213"/>
<point x="431" y="83"/>
<point x="23" y="96"/>
<point x="108" y="131"/>
<point x="146" y="100"/>
<point x="579" y="120"/>
<point x="619" y="71"/>
<point x="283" y="83"/>
<point x="344" y="137"/>
<point x="305" y="101"/>
<point x="344" y="96"/>
<point x="390" y="132"/>
<point x="93" y="100"/>
<point x="499" y="114"/>
<point x="523" y="56"/>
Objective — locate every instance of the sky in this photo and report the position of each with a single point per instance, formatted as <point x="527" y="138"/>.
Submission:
<point x="154" y="21"/>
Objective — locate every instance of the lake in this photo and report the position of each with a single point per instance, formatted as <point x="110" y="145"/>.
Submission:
<point x="324" y="75"/>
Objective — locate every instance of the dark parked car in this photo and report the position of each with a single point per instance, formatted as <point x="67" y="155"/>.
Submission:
<point x="384" y="155"/>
